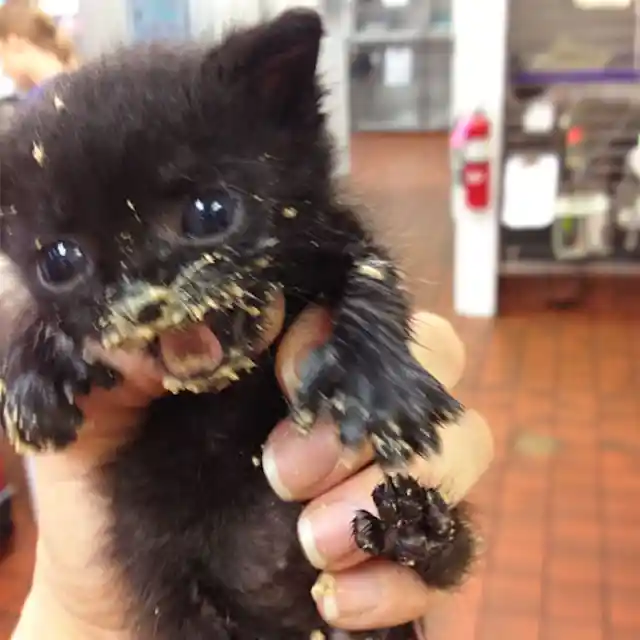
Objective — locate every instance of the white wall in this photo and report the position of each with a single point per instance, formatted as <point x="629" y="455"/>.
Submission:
<point x="101" y="26"/>
<point x="216" y="16"/>
<point x="479" y="81"/>
<point x="104" y="24"/>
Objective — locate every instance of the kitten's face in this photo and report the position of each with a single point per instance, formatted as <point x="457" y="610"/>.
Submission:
<point x="150" y="189"/>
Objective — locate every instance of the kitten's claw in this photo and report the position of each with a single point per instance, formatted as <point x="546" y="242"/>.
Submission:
<point x="381" y="395"/>
<point x="417" y="528"/>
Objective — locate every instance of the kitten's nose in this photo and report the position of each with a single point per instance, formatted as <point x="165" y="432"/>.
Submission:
<point x="151" y="312"/>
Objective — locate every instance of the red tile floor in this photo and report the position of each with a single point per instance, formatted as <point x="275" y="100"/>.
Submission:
<point x="558" y="509"/>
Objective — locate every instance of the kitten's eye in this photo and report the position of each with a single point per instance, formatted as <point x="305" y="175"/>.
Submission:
<point x="211" y="215"/>
<point x="61" y="263"/>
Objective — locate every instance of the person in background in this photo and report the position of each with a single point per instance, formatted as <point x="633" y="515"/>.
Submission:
<point x="32" y="47"/>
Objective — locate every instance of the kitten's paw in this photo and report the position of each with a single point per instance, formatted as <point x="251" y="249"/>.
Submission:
<point x="418" y="529"/>
<point x="80" y="377"/>
<point x="37" y="416"/>
<point x="39" y="413"/>
<point x="383" y="395"/>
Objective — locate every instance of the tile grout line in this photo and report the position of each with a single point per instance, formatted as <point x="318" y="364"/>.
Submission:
<point x="545" y="581"/>
<point x="497" y="511"/>
<point x="605" y="591"/>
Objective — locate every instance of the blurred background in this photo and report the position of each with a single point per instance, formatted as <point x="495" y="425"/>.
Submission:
<point x="497" y="143"/>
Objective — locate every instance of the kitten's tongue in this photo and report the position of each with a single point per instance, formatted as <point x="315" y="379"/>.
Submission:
<point x="191" y="351"/>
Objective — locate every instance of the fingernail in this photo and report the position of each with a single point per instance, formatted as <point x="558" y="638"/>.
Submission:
<point x="325" y="533"/>
<point x="346" y="596"/>
<point x="324" y="593"/>
<point x="270" y="468"/>
<point x="294" y="461"/>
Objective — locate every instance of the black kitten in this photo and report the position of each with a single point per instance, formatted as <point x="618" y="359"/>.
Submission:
<point x="159" y="187"/>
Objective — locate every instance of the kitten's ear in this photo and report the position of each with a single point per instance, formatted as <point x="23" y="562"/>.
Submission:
<point x="275" y="62"/>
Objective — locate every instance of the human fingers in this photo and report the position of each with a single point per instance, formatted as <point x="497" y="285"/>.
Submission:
<point x="374" y="595"/>
<point x="141" y="381"/>
<point x="438" y="348"/>
<point x="434" y="344"/>
<point x="324" y="527"/>
<point x="300" y="466"/>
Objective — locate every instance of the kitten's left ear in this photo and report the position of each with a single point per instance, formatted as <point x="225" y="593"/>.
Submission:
<point x="275" y="62"/>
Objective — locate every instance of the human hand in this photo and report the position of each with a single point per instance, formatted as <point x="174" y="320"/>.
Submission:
<point x="75" y="592"/>
<point x="366" y="594"/>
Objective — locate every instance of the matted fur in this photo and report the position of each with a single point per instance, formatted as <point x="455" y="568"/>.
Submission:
<point x="111" y="158"/>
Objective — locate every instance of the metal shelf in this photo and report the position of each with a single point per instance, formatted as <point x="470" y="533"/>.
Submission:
<point x="409" y="14"/>
<point x="375" y="32"/>
<point x="403" y="126"/>
<point x="553" y="268"/>
<point x="399" y="36"/>
<point x="578" y="76"/>
<point x="419" y="102"/>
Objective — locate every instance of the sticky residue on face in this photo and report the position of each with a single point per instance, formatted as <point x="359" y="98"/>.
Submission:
<point x="374" y="270"/>
<point x="37" y="151"/>
<point x="290" y="212"/>
<point x="222" y="377"/>
<point x="58" y="103"/>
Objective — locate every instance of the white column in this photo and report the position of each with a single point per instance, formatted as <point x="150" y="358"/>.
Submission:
<point x="334" y="67"/>
<point x="479" y="64"/>
<point x="102" y="26"/>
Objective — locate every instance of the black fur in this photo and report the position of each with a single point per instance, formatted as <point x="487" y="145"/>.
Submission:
<point x="112" y="157"/>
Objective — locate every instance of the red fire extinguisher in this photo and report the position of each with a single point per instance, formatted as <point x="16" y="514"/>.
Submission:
<point x="476" y="172"/>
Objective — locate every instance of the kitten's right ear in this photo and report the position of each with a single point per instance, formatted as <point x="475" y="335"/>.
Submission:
<point x="273" y="64"/>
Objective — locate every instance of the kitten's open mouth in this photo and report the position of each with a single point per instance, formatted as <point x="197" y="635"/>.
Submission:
<point x="194" y="356"/>
<point x="202" y="344"/>
<point x="203" y="356"/>
<point x="192" y="351"/>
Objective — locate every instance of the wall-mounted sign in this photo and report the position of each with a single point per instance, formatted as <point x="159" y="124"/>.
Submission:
<point x="398" y="67"/>
<point x="159" y="19"/>
<point x="530" y="191"/>
<point x="539" y="116"/>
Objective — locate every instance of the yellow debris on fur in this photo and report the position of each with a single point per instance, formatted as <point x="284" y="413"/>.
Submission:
<point x="38" y="153"/>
